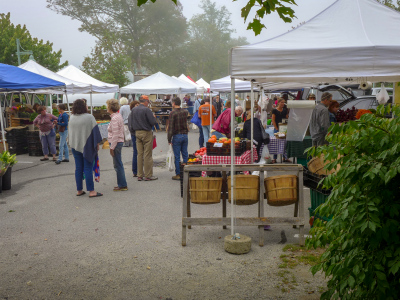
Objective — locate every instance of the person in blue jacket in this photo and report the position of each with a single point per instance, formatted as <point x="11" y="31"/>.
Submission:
<point x="62" y="123"/>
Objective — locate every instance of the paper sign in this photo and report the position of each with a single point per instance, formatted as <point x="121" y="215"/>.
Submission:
<point x="218" y="145"/>
<point x="281" y="135"/>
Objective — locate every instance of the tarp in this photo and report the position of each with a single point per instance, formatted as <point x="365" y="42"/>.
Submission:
<point x="71" y="86"/>
<point x="15" y="79"/>
<point x="350" y="41"/>
<point x="224" y="85"/>
<point x="73" y="73"/>
<point x="158" y="83"/>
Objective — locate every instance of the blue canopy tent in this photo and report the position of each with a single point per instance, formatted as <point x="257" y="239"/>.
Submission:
<point x="16" y="79"/>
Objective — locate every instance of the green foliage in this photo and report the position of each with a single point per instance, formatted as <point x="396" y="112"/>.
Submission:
<point x="42" y="51"/>
<point x="7" y="159"/>
<point x="210" y="41"/>
<point x="33" y="116"/>
<point x="362" y="259"/>
<point x="390" y="4"/>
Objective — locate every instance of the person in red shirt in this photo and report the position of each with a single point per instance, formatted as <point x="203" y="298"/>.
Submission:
<point x="204" y="115"/>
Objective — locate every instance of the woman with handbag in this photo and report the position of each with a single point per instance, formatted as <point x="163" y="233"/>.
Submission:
<point x="45" y="122"/>
<point x="259" y="134"/>
<point x="62" y="123"/>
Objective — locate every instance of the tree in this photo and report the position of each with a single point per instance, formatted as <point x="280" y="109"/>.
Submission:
<point x="147" y="35"/>
<point x="107" y="63"/>
<point x="362" y="258"/>
<point x="210" y="42"/>
<point x="264" y="8"/>
<point x="390" y="4"/>
<point x="42" y="52"/>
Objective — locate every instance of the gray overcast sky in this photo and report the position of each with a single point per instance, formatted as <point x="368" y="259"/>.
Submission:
<point x="45" y="24"/>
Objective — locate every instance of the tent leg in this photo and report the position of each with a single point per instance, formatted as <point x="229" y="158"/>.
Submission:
<point x="66" y="97"/>
<point x="252" y="121"/>
<point x="233" y="201"/>
<point x="2" y="127"/>
<point x="91" y="104"/>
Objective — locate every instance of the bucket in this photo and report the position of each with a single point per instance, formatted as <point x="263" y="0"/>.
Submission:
<point x="247" y="189"/>
<point x="6" y="180"/>
<point x="205" y="190"/>
<point x="281" y="190"/>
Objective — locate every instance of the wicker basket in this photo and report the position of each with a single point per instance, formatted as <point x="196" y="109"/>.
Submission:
<point x="247" y="188"/>
<point x="281" y="190"/>
<point x="205" y="190"/>
<point x="316" y="165"/>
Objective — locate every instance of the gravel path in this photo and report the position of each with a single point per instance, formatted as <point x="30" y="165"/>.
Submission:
<point x="127" y="245"/>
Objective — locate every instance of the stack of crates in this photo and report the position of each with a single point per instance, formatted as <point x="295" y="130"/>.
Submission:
<point x="34" y="144"/>
<point x="16" y="139"/>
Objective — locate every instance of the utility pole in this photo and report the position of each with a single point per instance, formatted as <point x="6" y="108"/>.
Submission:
<point x="24" y="52"/>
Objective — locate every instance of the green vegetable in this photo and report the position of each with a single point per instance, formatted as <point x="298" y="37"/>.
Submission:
<point x="7" y="159"/>
<point x="33" y="116"/>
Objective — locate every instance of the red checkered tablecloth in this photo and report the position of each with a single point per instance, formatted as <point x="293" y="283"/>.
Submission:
<point x="244" y="159"/>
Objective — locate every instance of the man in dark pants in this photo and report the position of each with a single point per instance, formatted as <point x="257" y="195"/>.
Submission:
<point x="178" y="134"/>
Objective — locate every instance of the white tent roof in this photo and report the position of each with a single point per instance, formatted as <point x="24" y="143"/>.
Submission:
<point x="350" y="41"/>
<point x="158" y="83"/>
<point x="202" y="83"/>
<point x="224" y="85"/>
<point x="73" y="73"/>
<point x="184" y="78"/>
<point x="72" y="87"/>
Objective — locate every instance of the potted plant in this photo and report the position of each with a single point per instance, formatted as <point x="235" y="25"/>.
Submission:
<point x="7" y="161"/>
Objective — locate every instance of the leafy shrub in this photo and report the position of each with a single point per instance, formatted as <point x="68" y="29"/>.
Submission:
<point x="362" y="258"/>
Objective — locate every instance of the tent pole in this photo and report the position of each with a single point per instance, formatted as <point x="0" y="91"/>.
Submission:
<point x="2" y="127"/>
<point x="252" y="121"/>
<point x="233" y="199"/>
<point x="91" y="104"/>
<point x="66" y="97"/>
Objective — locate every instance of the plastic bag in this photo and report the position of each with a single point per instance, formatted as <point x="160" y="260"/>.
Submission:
<point x="265" y="156"/>
<point x="383" y="95"/>
<point x="127" y="134"/>
<point x="194" y="126"/>
<point x="170" y="159"/>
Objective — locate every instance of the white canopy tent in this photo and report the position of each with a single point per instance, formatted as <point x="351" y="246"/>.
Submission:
<point x="204" y="84"/>
<point x="199" y="89"/>
<point x="224" y="85"/>
<point x="158" y="83"/>
<point x="71" y="86"/>
<point x="96" y="86"/>
<point x="351" y="41"/>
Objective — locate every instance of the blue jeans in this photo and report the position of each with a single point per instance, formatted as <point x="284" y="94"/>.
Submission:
<point x="201" y="137"/>
<point x="49" y="141"/>
<point x="219" y="134"/>
<point x="134" y="158"/>
<point x="180" y="144"/>
<point x="83" y="166"/>
<point x="206" y="132"/>
<point x="119" y="166"/>
<point x="63" y="145"/>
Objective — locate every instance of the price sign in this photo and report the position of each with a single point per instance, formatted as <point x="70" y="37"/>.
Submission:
<point x="218" y="145"/>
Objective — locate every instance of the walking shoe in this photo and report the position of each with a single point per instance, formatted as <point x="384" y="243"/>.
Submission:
<point x="117" y="189"/>
<point x="176" y="177"/>
<point x="65" y="160"/>
<point x="150" y="178"/>
<point x="139" y="178"/>
<point x="134" y="175"/>
<point x="58" y="162"/>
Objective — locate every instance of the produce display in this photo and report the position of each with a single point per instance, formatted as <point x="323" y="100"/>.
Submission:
<point x="346" y="115"/>
<point x="362" y="112"/>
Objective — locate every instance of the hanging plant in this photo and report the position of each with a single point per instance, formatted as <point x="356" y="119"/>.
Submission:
<point x="7" y="159"/>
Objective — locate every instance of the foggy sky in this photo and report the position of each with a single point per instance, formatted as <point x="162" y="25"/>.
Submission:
<point x="62" y="31"/>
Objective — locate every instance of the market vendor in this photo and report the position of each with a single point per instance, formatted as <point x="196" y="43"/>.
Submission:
<point x="45" y="122"/>
<point x="319" y="123"/>
<point x="278" y="114"/>
<point x="222" y="125"/>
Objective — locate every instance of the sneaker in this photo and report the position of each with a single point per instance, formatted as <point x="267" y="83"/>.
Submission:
<point x="150" y="178"/>
<point x="65" y="160"/>
<point x="58" y="162"/>
<point x="139" y="178"/>
<point x="176" y="177"/>
<point x="117" y="189"/>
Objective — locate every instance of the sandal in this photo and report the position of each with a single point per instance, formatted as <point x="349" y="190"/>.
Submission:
<point x="81" y="194"/>
<point x="54" y="159"/>
<point x="43" y="159"/>
<point x="273" y="161"/>
<point x="97" y="195"/>
<point x="287" y="160"/>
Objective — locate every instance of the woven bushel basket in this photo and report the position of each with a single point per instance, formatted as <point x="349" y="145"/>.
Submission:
<point x="205" y="190"/>
<point x="247" y="189"/>
<point x="316" y="165"/>
<point x="281" y="190"/>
